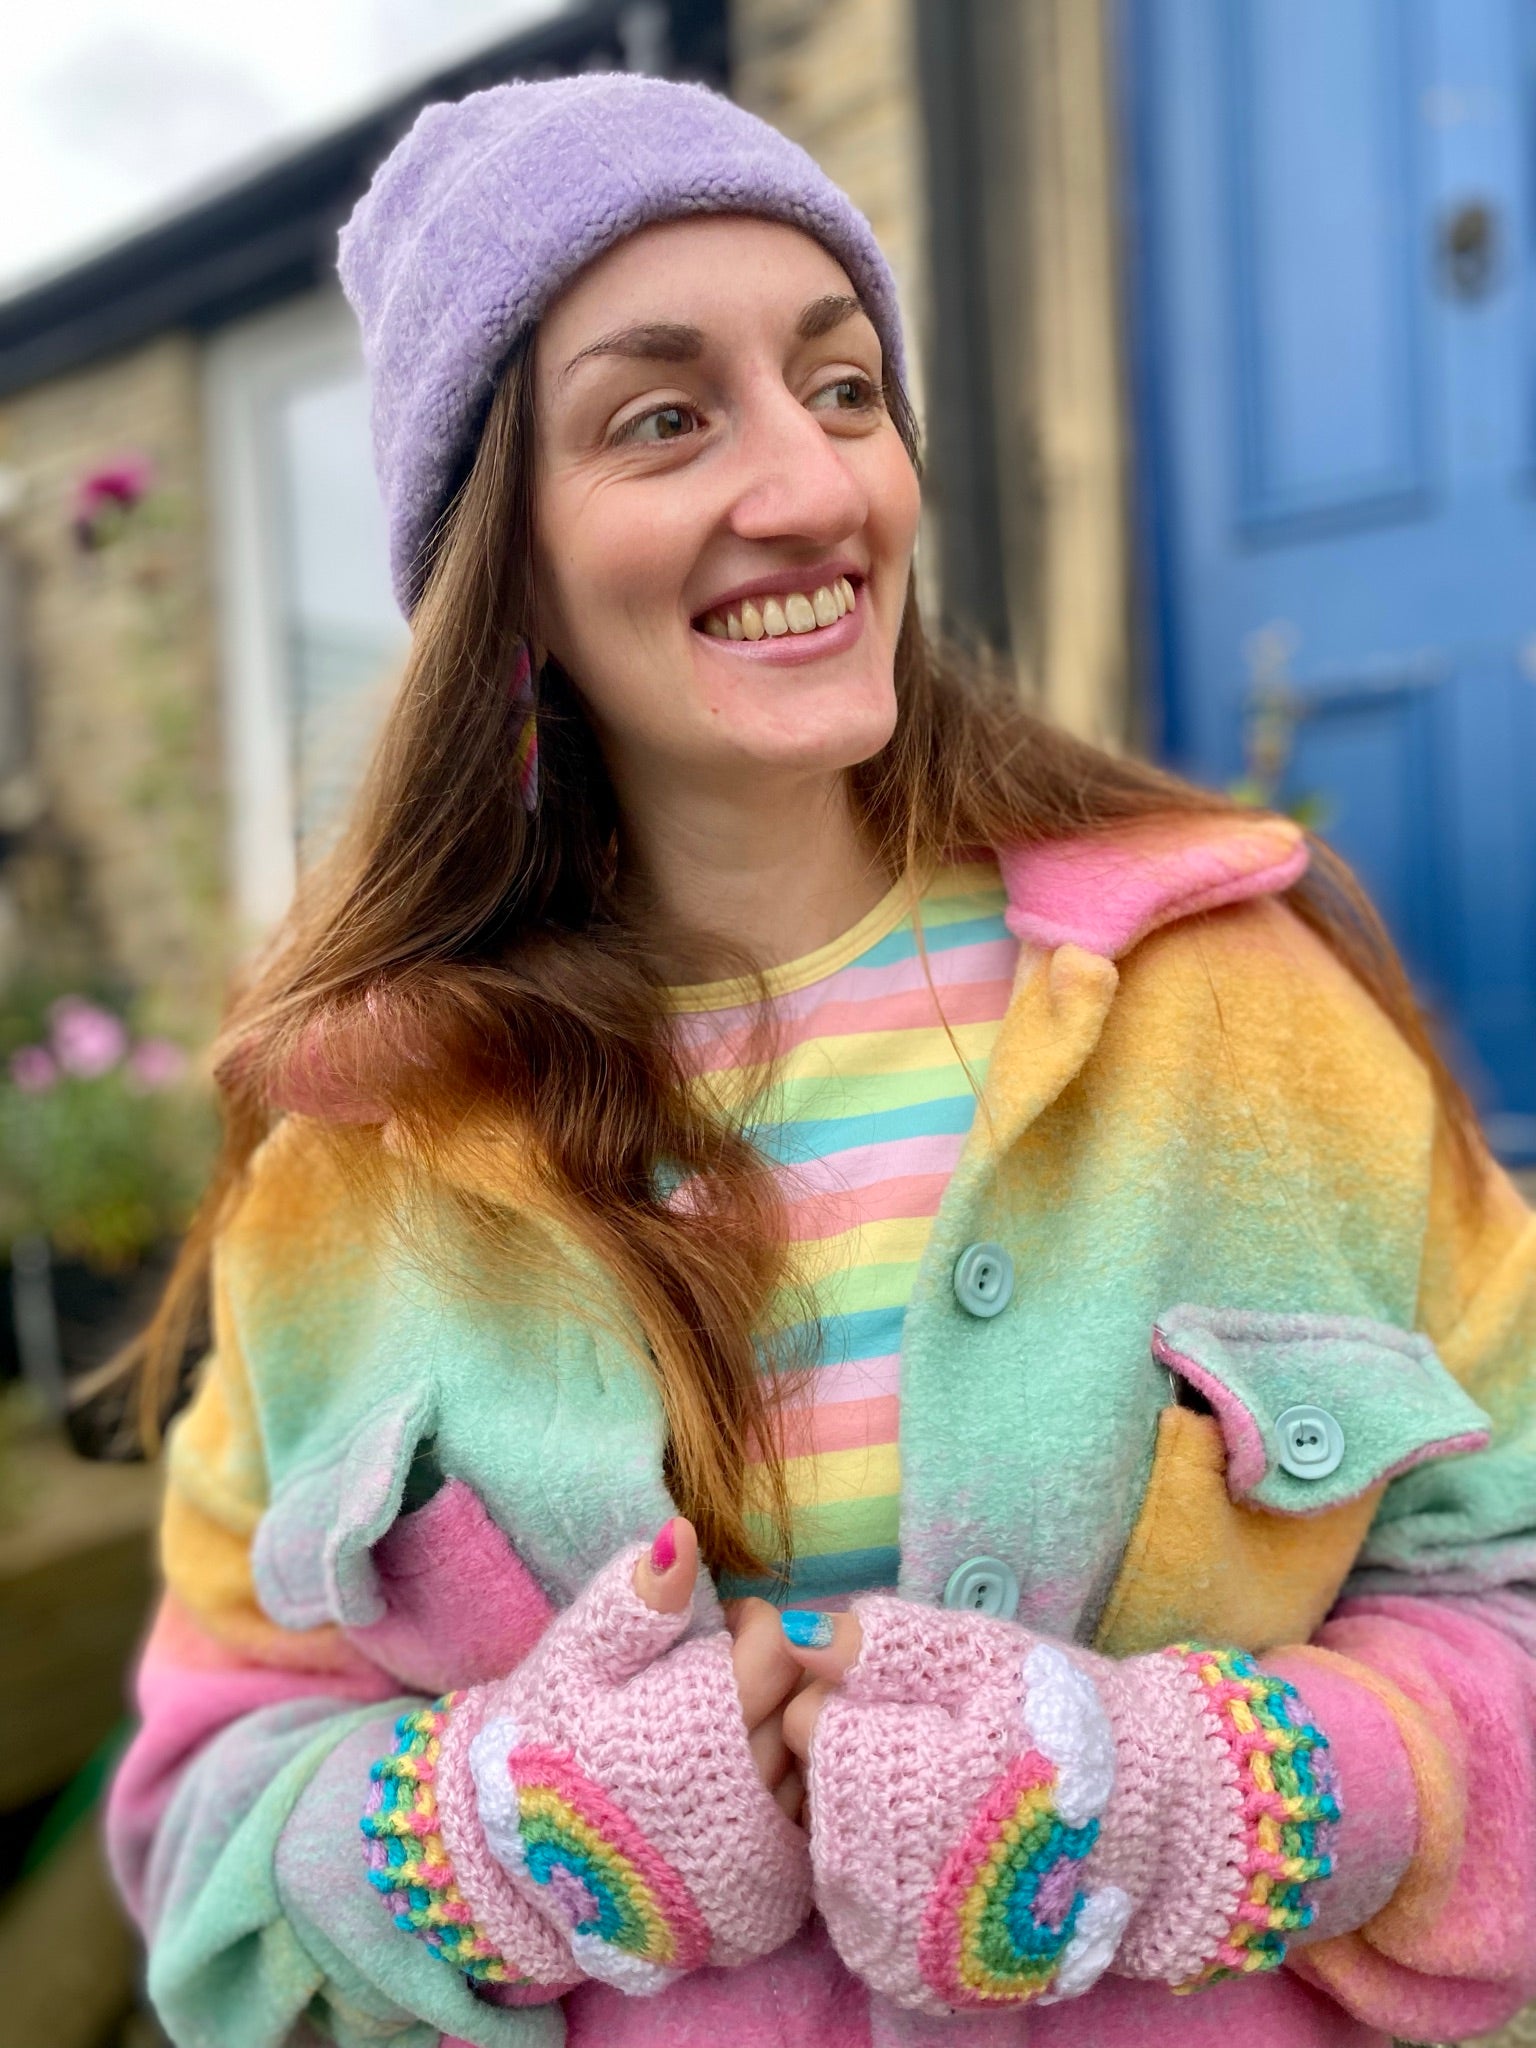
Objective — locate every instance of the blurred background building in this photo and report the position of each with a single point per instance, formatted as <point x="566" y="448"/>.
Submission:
<point x="1224" y="322"/>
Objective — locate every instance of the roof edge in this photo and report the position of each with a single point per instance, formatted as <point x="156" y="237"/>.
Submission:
<point x="269" y="231"/>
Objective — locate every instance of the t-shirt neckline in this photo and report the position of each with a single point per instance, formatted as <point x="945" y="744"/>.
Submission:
<point x="692" y="998"/>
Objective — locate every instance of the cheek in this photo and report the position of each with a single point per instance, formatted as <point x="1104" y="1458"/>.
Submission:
<point x="610" y="576"/>
<point x="608" y="560"/>
<point x="895" y="499"/>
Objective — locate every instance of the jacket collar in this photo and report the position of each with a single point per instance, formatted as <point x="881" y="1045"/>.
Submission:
<point x="1106" y="891"/>
<point x="1079" y="905"/>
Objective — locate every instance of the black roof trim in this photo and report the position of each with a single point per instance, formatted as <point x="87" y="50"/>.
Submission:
<point x="273" y="233"/>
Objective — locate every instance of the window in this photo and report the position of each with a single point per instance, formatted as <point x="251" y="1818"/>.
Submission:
<point x="310" y="639"/>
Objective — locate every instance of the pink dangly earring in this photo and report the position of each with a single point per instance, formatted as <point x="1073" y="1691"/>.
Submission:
<point x="525" y="760"/>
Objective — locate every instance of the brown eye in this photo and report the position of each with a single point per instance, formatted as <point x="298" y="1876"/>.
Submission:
<point x="661" y="423"/>
<point x="845" y="394"/>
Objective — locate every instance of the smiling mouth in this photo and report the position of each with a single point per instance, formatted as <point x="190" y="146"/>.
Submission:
<point x="797" y="612"/>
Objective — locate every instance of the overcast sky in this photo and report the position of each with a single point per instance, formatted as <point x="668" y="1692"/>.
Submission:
<point x="111" y="111"/>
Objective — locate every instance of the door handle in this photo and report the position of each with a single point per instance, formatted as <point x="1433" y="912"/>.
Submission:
<point x="1468" y="250"/>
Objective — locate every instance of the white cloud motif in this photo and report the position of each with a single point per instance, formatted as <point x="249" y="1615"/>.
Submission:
<point x="1100" y="1924"/>
<point x="1067" y="1723"/>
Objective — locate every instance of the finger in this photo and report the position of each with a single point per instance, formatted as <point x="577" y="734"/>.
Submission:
<point x="824" y="1645"/>
<point x="770" y="1752"/>
<point x="801" y="1715"/>
<point x="765" y="1669"/>
<point x="790" y="1794"/>
<point x="906" y="1653"/>
<point x="665" y="1577"/>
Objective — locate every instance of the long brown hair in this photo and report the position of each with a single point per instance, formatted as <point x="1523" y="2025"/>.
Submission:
<point x="448" y="955"/>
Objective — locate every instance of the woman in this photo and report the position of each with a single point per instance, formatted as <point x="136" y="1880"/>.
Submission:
<point x="713" y="1002"/>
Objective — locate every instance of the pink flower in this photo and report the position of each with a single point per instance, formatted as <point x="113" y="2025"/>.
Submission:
<point x="87" y="1041"/>
<point x="121" y="483"/>
<point x="156" y="1063"/>
<point x="103" y="495"/>
<point x="33" y="1069"/>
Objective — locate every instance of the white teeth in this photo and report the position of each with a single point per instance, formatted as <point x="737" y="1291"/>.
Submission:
<point x="794" y="613"/>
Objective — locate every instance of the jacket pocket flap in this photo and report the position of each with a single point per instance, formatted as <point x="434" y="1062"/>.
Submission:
<point x="1316" y="1410"/>
<point x="311" y="1558"/>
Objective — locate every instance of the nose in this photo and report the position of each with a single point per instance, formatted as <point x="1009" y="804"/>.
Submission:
<point x="794" y="479"/>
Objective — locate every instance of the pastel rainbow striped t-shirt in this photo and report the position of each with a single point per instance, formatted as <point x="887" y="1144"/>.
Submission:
<point x="869" y="1103"/>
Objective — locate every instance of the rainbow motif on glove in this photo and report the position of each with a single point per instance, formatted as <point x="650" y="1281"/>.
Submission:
<point x="629" y="1917"/>
<point x="1009" y="1919"/>
<point x="1008" y="1899"/>
<point x="1289" y="1807"/>
<point x="407" y="1861"/>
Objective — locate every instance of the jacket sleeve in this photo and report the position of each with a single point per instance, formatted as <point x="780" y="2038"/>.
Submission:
<point x="1438" y="1627"/>
<point x="234" y="1820"/>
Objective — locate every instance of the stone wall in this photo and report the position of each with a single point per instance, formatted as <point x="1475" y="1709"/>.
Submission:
<point x="837" y="77"/>
<point x="1062" y="382"/>
<point x="127" y="845"/>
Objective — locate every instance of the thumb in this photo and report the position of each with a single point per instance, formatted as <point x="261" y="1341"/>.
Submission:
<point x="631" y="1613"/>
<point x="665" y="1576"/>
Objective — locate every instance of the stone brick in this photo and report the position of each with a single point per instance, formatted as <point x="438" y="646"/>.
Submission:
<point x="119" y="651"/>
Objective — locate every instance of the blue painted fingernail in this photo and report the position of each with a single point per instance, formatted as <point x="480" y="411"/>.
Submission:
<point x="807" y="1629"/>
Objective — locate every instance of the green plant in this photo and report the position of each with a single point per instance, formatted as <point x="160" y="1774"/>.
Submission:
<point x="1274" y="712"/>
<point x="105" y="1142"/>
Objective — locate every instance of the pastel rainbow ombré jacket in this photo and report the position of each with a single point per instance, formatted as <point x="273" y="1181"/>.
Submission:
<point x="1220" y="1177"/>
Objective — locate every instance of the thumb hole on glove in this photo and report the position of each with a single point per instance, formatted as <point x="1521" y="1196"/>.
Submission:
<point x="665" y="1578"/>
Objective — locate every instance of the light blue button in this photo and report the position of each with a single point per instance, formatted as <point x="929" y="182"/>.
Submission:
<point x="983" y="1279"/>
<point x="983" y="1585"/>
<point x="1311" y="1441"/>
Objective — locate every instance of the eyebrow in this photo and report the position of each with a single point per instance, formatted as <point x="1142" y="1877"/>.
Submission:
<point x="822" y="315"/>
<point x="663" y="341"/>
<point x="655" y="341"/>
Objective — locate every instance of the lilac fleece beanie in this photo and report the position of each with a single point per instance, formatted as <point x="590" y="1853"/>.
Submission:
<point x="491" y="205"/>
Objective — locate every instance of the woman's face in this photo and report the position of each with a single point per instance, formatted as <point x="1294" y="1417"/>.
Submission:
<point x="725" y="511"/>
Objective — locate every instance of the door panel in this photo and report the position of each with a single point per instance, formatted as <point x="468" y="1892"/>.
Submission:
<point x="1336" y="318"/>
<point x="1326" y="292"/>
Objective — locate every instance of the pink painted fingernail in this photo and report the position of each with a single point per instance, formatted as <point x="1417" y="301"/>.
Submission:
<point x="664" y="1549"/>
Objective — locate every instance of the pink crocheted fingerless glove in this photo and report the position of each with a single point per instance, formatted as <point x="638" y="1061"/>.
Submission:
<point x="996" y="1818"/>
<point x="599" y="1813"/>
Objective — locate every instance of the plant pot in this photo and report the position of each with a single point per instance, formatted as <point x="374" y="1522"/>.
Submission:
<point x="98" y="1312"/>
<point x="66" y="1319"/>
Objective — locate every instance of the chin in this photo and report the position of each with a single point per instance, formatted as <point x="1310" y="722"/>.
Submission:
<point x="825" y="730"/>
<point x="824" y="753"/>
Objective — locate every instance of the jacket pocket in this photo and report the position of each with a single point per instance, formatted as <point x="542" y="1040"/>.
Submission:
<point x="311" y="1558"/>
<point x="1268" y="1466"/>
<point x="460" y="1606"/>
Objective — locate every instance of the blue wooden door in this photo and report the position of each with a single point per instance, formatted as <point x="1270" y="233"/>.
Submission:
<point x="1335" y="307"/>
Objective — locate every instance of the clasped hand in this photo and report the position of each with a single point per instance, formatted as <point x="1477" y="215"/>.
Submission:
<point x="782" y="1687"/>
